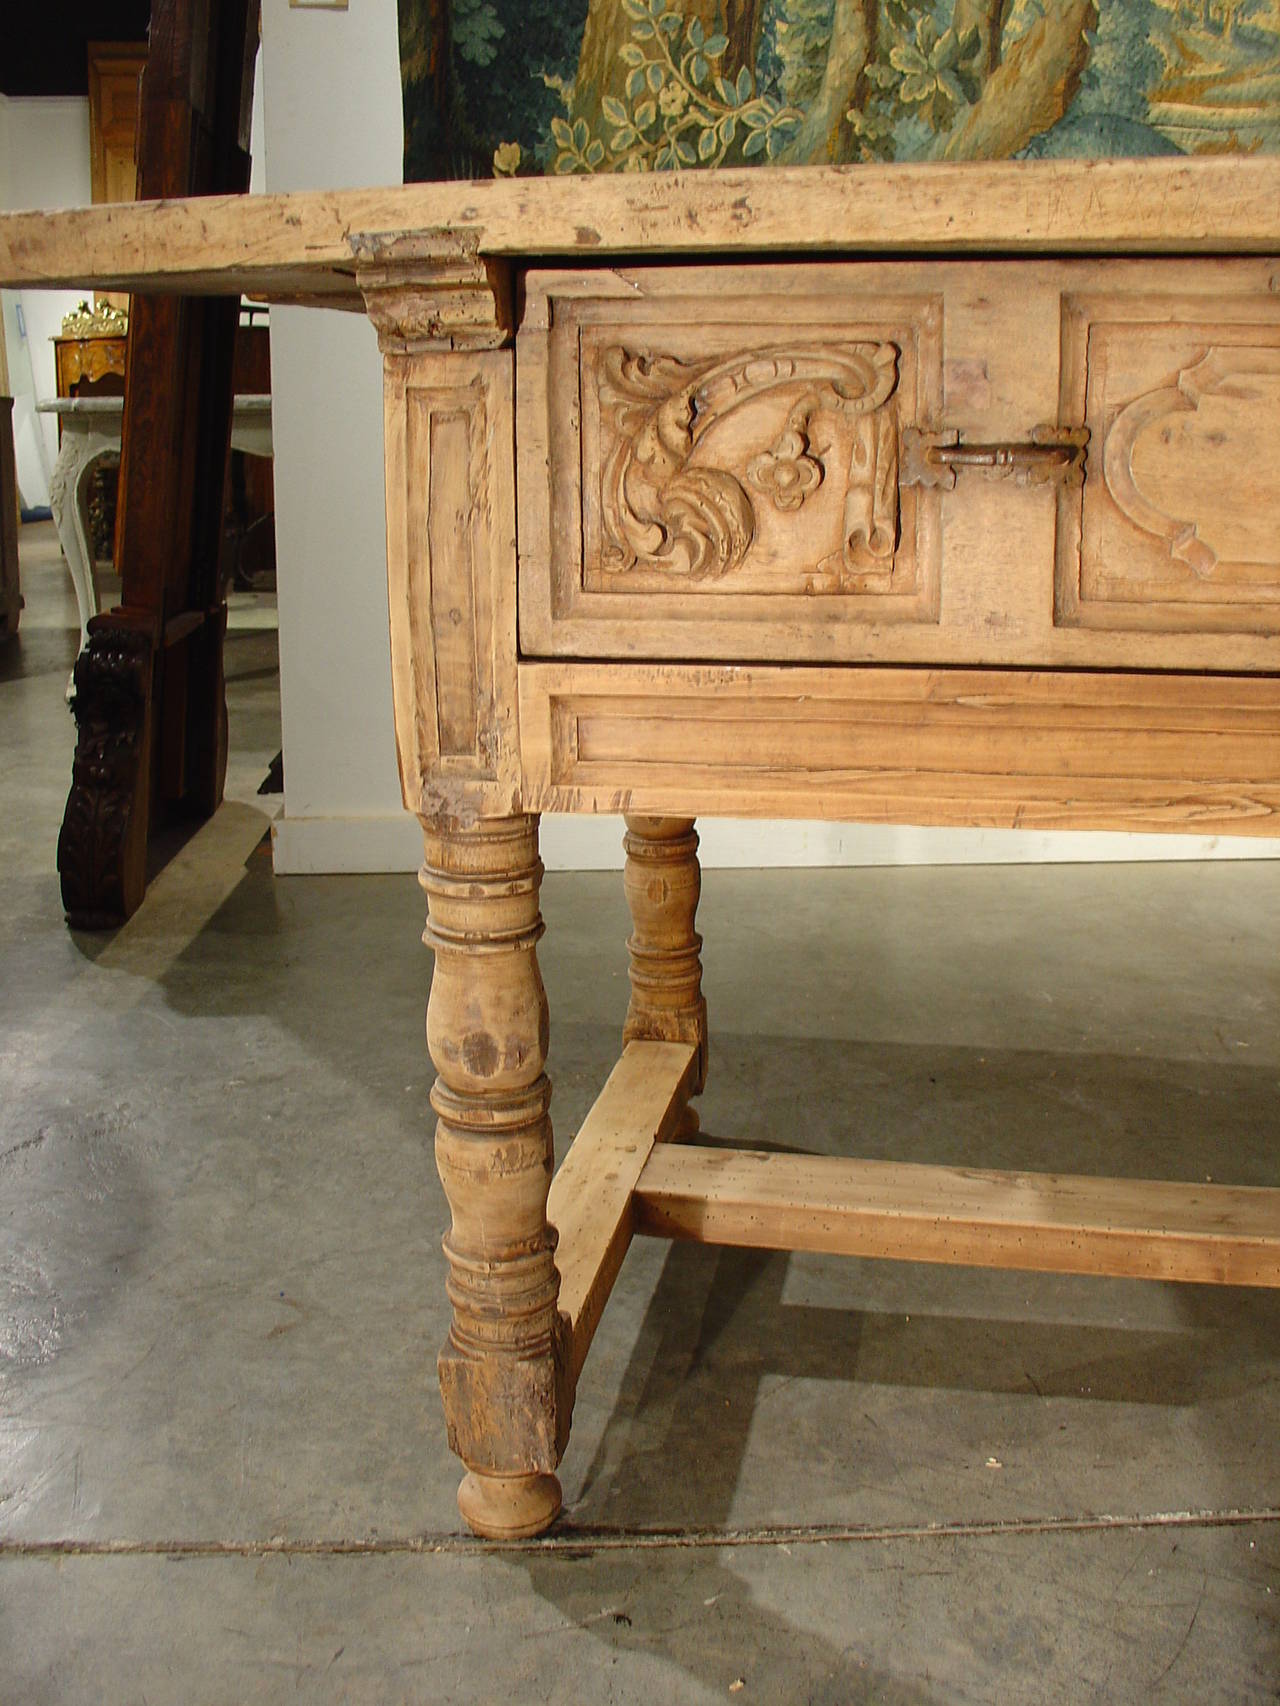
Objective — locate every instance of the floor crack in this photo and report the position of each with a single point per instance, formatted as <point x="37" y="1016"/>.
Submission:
<point x="575" y="1541"/>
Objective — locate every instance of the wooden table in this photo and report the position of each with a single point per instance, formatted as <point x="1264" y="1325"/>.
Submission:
<point x="90" y="429"/>
<point x="941" y="495"/>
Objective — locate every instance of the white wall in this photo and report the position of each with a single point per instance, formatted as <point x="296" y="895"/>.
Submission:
<point x="257" y="136"/>
<point x="44" y="162"/>
<point x="331" y="109"/>
<point x="330" y="88"/>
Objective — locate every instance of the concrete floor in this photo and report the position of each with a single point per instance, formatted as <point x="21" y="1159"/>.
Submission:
<point x="223" y="1474"/>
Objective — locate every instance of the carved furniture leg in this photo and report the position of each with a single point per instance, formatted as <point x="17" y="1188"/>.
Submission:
<point x="662" y="881"/>
<point x="102" y="844"/>
<point x="506" y="1394"/>
<point x="83" y="446"/>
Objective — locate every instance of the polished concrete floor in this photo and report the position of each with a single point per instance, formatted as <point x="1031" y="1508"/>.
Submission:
<point x="223" y="1474"/>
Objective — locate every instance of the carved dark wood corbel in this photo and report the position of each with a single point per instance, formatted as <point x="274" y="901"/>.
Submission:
<point x="106" y="808"/>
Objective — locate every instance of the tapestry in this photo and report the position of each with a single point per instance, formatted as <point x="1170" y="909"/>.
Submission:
<point x="506" y="87"/>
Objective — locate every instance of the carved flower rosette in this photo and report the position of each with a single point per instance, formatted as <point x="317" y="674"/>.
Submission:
<point x="666" y="508"/>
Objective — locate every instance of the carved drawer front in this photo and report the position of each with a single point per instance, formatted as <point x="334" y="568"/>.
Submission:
<point x="713" y="455"/>
<point x="1067" y="463"/>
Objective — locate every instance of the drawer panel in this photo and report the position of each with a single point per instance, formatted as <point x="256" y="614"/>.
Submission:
<point x="1012" y="749"/>
<point x="1178" y="526"/>
<point x="778" y="463"/>
<point x="717" y="466"/>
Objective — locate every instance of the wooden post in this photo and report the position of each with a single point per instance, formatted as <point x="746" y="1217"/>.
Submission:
<point x="662" y="883"/>
<point x="443" y="317"/>
<point x="506" y="1400"/>
<point x="150" y="699"/>
<point x="10" y="592"/>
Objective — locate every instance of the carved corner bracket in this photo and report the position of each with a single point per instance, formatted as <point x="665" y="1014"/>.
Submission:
<point x="433" y="290"/>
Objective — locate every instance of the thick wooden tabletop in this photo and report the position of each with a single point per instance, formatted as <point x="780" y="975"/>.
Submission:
<point x="304" y="246"/>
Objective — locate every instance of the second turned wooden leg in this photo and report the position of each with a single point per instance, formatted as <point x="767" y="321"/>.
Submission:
<point x="502" y="1373"/>
<point x="663" y="882"/>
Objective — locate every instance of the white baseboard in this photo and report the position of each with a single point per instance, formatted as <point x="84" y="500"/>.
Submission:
<point x="312" y="845"/>
<point x="729" y="842"/>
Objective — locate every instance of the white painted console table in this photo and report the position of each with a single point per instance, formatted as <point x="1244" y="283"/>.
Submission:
<point x="91" y="429"/>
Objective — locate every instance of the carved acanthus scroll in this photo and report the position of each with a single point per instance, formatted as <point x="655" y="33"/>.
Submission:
<point x="662" y="509"/>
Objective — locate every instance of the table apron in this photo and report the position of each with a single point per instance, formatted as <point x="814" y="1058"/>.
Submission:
<point x="985" y="748"/>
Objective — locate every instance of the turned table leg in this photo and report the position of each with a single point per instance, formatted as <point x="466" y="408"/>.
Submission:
<point x="663" y="882"/>
<point x="502" y="1377"/>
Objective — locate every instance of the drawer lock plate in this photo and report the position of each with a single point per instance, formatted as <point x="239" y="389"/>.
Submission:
<point x="1052" y="456"/>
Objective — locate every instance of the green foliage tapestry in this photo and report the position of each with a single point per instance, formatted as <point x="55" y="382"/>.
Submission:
<point x="500" y="87"/>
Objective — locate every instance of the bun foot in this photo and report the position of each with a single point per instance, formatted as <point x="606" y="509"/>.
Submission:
<point x="508" y="1507"/>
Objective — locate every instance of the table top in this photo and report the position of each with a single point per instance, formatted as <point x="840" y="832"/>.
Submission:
<point x="305" y="246"/>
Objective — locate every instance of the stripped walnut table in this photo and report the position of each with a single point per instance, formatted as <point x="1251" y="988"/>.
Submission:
<point x="943" y="495"/>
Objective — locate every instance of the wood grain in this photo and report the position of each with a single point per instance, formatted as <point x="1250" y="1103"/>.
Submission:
<point x="1046" y="1222"/>
<point x="432" y="290"/>
<point x="506" y="1398"/>
<point x="1176" y="532"/>
<point x="590" y="1200"/>
<point x="451" y="580"/>
<point x="663" y="882"/>
<point x="115" y="68"/>
<point x="991" y="748"/>
<point x="302" y="244"/>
